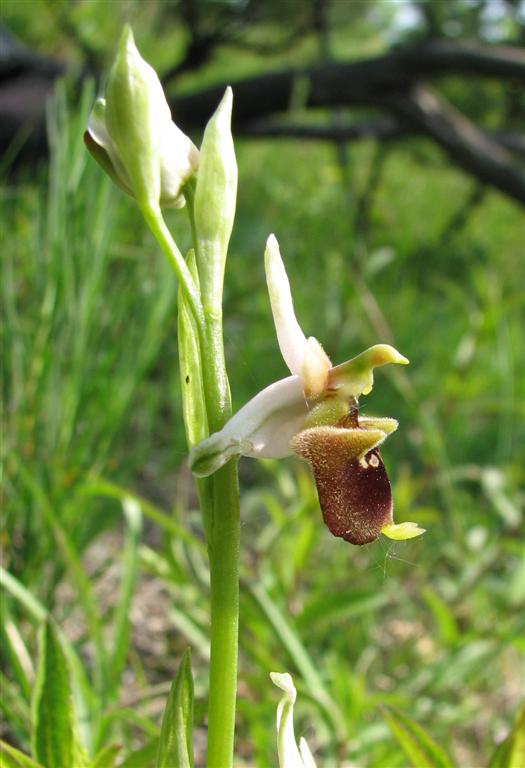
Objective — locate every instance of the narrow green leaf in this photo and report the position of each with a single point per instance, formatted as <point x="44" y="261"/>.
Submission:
<point x="122" y="715"/>
<point x="339" y="606"/>
<point x="13" y="758"/>
<point x="106" y="757"/>
<point x="16" y="651"/>
<point x="511" y="752"/>
<point x="99" y="487"/>
<point x="85" y="700"/>
<point x="14" y="707"/>
<point x="142" y="757"/>
<point x="15" y="588"/>
<point x="190" y="364"/>
<point x="76" y="570"/>
<point x="53" y="720"/>
<point x="291" y="641"/>
<point x="418" y="746"/>
<point x="444" y="618"/>
<point x="130" y="561"/>
<point x="176" y="735"/>
<point x="192" y="384"/>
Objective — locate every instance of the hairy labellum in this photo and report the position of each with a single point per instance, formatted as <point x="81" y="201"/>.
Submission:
<point x="352" y="483"/>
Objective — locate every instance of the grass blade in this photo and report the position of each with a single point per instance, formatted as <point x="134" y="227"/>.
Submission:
<point x="418" y="746"/>
<point x="15" y="709"/>
<point x="77" y="572"/>
<point x="292" y="643"/>
<point x="133" y="515"/>
<point x="511" y="752"/>
<point x="141" y="757"/>
<point x="13" y="758"/>
<point x="11" y="584"/>
<point x="37" y="612"/>
<point x="16" y="651"/>
<point x="96" y="486"/>
<point x="106" y="757"/>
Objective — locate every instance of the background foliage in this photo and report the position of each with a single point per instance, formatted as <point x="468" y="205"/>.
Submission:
<point x="383" y="242"/>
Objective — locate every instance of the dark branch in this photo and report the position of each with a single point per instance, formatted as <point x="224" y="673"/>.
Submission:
<point x="364" y="82"/>
<point x="467" y="145"/>
<point x="390" y="83"/>
<point x="381" y="129"/>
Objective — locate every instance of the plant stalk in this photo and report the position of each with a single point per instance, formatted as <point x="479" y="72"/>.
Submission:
<point x="157" y="225"/>
<point x="220" y="509"/>
<point x="223" y="548"/>
<point x="223" y="552"/>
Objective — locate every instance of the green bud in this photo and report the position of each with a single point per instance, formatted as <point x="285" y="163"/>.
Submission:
<point x="135" y="101"/>
<point x="215" y="199"/>
<point x="131" y="134"/>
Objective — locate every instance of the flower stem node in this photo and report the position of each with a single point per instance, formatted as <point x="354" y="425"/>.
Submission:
<point x="132" y="136"/>
<point x="315" y="414"/>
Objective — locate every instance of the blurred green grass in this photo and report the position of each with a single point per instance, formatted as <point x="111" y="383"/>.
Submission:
<point x="374" y="253"/>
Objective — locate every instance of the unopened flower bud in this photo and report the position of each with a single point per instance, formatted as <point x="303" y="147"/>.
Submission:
<point x="215" y="200"/>
<point x="131" y="133"/>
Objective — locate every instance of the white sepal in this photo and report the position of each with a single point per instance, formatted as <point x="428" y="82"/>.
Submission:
<point x="179" y="160"/>
<point x="262" y="428"/>
<point x="307" y="757"/>
<point x="290" y="756"/>
<point x="145" y="153"/>
<point x="292" y="341"/>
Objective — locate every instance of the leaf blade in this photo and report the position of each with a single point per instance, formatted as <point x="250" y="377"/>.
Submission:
<point x="53" y="740"/>
<point x="106" y="757"/>
<point x="418" y="746"/>
<point x="511" y="752"/>
<point x="176" y="735"/>
<point x="13" y="758"/>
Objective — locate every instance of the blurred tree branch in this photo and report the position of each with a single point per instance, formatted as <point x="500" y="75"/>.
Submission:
<point x="394" y="84"/>
<point x="366" y="82"/>
<point x="470" y="148"/>
<point x="382" y="128"/>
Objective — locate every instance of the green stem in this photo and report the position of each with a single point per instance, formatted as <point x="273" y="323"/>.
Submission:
<point x="223" y="547"/>
<point x="223" y="551"/>
<point x="157" y="225"/>
<point x="219" y="498"/>
<point x="222" y="519"/>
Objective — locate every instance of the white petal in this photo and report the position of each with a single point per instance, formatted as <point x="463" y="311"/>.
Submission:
<point x="289" y="755"/>
<point x="292" y="341"/>
<point x="316" y="365"/>
<point x="263" y="427"/>
<point x="306" y="755"/>
<point x="98" y="129"/>
<point x="179" y="159"/>
<point x="97" y="123"/>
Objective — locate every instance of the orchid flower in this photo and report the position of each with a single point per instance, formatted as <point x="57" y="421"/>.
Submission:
<point x="132" y="136"/>
<point x="290" y="755"/>
<point x="314" y="413"/>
